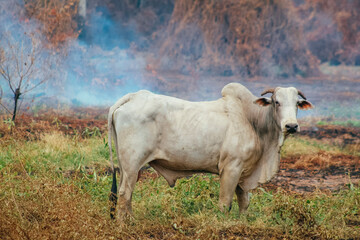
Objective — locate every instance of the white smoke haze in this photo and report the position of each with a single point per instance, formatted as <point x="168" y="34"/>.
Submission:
<point x="94" y="75"/>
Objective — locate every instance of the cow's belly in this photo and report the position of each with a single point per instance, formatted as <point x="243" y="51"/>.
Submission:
<point x="185" y="157"/>
<point x="192" y="141"/>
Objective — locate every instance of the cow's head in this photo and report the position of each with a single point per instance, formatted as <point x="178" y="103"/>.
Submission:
<point x="285" y="104"/>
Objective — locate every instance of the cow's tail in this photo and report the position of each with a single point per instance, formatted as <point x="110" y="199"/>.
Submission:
<point x="112" y="132"/>
<point x="113" y="194"/>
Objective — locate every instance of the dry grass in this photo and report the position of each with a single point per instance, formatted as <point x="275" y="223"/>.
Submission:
<point x="56" y="141"/>
<point x="77" y="123"/>
<point x="323" y="160"/>
<point x="307" y="153"/>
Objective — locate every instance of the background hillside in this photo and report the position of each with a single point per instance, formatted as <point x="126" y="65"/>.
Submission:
<point x="190" y="49"/>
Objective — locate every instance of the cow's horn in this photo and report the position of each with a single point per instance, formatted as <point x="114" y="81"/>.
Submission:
<point x="301" y="94"/>
<point x="271" y="90"/>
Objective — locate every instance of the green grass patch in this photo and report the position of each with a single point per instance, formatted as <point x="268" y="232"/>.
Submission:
<point x="345" y="123"/>
<point x="297" y="145"/>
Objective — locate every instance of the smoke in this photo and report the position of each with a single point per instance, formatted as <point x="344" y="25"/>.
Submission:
<point x="104" y="31"/>
<point x="104" y="63"/>
<point x="95" y="69"/>
<point x="96" y="76"/>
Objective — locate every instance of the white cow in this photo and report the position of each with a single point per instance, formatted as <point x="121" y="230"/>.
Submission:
<point x="238" y="136"/>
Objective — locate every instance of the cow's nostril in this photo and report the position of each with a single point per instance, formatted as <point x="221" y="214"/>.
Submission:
<point x="291" y="128"/>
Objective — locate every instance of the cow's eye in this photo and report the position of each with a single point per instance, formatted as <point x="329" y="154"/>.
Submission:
<point x="277" y="103"/>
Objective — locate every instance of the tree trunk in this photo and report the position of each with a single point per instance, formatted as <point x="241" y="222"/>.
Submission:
<point x="82" y="9"/>
<point x="16" y="98"/>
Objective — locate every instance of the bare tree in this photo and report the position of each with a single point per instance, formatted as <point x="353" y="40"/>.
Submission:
<point x="1" y="91"/>
<point x="1" y="95"/>
<point x="24" y="65"/>
<point x="2" y="56"/>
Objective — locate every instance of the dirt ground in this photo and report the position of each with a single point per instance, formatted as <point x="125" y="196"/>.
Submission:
<point x="323" y="170"/>
<point x="343" y="171"/>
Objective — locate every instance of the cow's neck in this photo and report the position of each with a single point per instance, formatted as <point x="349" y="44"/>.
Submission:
<point x="270" y="135"/>
<point x="266" y="127"/>
<point x="271" y="139"/>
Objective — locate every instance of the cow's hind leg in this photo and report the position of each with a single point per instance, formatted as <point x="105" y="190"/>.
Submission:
<point x="242" y="199"/>
<point x="126" y="187"/>
<point x="136" y="142"/>
<point x="130" y="168"/>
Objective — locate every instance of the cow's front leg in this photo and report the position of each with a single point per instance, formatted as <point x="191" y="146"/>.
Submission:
<point x="242" y="199"/>
<point x="228" y="181"/>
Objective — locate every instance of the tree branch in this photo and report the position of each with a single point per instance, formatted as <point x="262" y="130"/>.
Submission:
<point x="6" y="75"/>
<point x="36" y="85"/>
<point x="5" y="108"/>
<point x="1" y="95"/>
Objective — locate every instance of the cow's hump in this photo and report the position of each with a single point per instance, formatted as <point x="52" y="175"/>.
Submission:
<point x="236" y="90"/>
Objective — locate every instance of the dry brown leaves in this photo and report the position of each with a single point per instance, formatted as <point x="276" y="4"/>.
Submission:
<point x="57" y="18"/>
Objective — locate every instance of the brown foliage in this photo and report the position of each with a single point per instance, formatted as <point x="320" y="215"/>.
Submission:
<point x="248" y="37"/>
<point x="83" y="125"/>
<point x="334" y="25"/>
<point x="57" y="18"/>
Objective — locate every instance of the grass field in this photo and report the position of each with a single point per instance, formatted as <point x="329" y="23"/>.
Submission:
<point x="57" y="187"/>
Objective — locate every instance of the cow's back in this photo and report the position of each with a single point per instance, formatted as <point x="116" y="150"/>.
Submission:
<point x="144" y="106"/>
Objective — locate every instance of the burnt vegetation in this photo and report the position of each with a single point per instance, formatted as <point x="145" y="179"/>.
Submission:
<point x="279" y="38"/>
<point x="251" y="38"/>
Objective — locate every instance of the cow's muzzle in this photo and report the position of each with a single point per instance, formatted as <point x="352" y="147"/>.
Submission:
<point x="291" y="127"/>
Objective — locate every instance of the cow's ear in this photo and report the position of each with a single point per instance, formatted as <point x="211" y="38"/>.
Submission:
<point x="305" y="105"/>
<point x="263" y="101"/>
